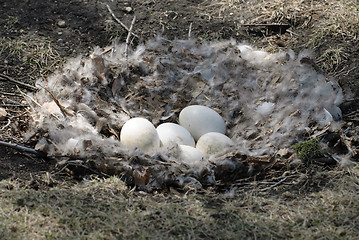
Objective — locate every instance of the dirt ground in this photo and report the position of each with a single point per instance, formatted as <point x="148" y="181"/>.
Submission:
<point x="37" y="36"/>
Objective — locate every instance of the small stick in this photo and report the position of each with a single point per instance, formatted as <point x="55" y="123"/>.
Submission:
<point x="22" y="148"/>
<point x="274" y="185"/>
<point x="129" y="35"/>
<point x="14" y="105"/>
<point x="79" y="163"/>
<point x="320" y="133"/>
<point x="266" y="25"/>
<point x="25" y="85"/>
<point x="348" y="143"/>
<point x="118" y="20"/>
<point x="346" y="74"/>
<point x="350" y="114"/>
<point x="189" y="31"/>
<point x="8" y="123"/>
<point x="62" y="109"/>
<point x="24" y="95"/>
<point x="9" y="94"/>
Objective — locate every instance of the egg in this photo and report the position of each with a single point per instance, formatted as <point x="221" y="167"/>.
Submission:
<point x="199" y="120"/>
<point x="190" y="155"/>
<point x="213" y="143"/>
<point x="139" y="133"/>
<point x="171" y="133"/>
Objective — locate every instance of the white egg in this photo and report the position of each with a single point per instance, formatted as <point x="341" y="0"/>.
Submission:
<point x="139" y="133"/>
<point x="190" y="155"/>
<point x="199" y="120"/>
<point x="171" y="133"/>
<point x="213" y="143"/>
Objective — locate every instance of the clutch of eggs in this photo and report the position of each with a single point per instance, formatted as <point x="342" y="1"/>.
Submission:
<point x="197" y="123"/>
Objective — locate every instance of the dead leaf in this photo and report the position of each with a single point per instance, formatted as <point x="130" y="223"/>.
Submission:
<point x="99" y="72"/>
<point x="114" y="132"/>
<point x="348" y="143"/>
<point x="42" y="145"/>
<point x="3" y="114"/>
<point x="275" y="80"/>
<point x="198" y="88"/>
<point x="141" y="177"/>
<point x="283" y="152"/>
<point x="260" y="161"/>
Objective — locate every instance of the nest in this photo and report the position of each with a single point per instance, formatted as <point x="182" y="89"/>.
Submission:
<point x="269" y="101"/>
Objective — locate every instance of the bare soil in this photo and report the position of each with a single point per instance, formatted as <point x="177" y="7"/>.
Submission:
<point x="70" y="28"/>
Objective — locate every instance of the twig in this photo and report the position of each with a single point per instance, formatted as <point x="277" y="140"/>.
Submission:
<point x="274" y="185"/>
<point x="14" y="105"/>
<point x="320" y="133"/>
<point x="22" y="148"/>
<point x="62" y="109"/>
<point x="118" y="20"/>
<point x="348" y="143"/>
<point x="350" y="114"/>
<point x="346" y="74"/>
<point x="189" y="31"/>
<point x="79" y="163"/>
<point x="129" y="35"/>
<point x="25" y="85"/>
<point x="266" y="25"/>
<point x="8" y="123"/>
<point x="24" y="95"/>
<point x="9" y="101"/>
<point x="9" y="94"/>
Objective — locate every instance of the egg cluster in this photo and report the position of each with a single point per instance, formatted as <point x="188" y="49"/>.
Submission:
<point x="197" y="123"/>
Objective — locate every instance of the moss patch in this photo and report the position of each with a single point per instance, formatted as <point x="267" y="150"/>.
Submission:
<point x="308" y="149"/>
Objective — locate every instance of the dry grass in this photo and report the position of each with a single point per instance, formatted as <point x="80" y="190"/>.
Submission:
<point x="34" y="57"/>
<point x="338" y="19"/>
<point x="107" y="209"/>
<point x="332" y="26"/>
<point x="25" y="59"/>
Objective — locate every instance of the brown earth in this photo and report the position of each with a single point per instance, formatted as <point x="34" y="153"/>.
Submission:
<point x="68" y="28"/>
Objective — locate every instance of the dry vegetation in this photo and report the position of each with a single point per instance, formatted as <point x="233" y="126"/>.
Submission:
<point x="38" y="57"/>
<point x="107" y="209"/>
<point x="332" y="26"/>
<point x="317" y="203"/>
